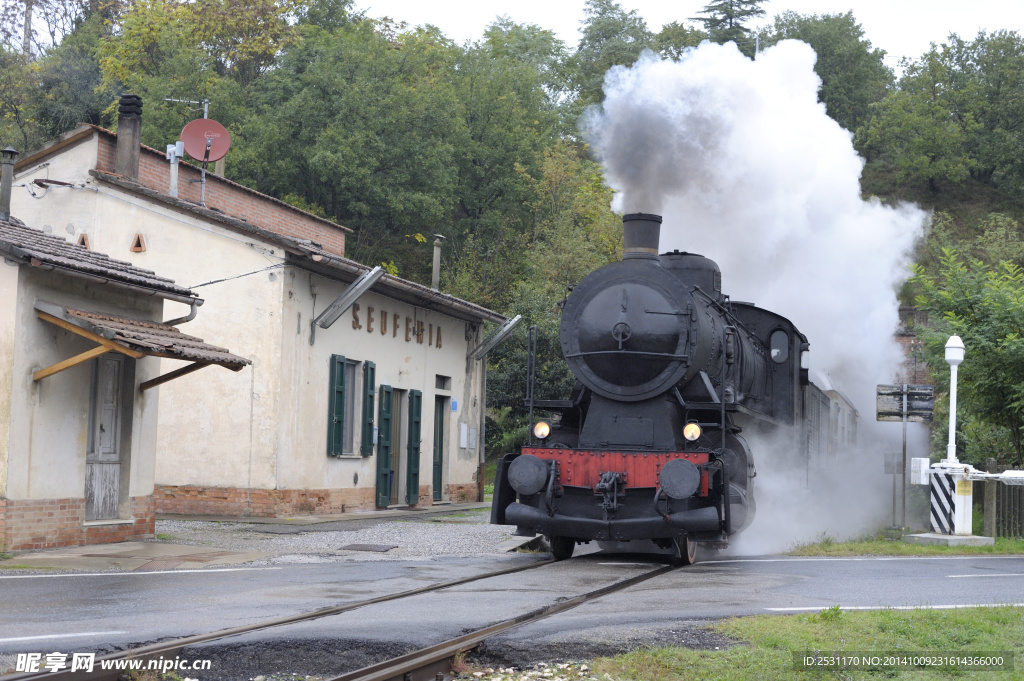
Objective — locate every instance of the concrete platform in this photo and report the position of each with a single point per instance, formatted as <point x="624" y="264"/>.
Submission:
<point x="934" y="538"/>
<point x="130" y="556"/>
<point x="153" y="555"/>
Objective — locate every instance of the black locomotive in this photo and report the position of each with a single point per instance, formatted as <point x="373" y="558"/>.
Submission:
<point x="649" y="445"/>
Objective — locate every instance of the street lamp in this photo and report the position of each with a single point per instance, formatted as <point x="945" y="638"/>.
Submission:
<point x="954" y="356"/>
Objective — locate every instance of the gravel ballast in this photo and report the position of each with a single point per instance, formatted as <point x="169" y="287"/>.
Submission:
<point x="465" y="533"/>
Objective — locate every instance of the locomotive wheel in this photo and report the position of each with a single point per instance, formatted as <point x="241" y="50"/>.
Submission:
<point x="684" y="551"/>
<point x="562" y="547"/>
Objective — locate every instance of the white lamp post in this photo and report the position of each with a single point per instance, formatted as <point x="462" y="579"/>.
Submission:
<point x="954" y="356"/>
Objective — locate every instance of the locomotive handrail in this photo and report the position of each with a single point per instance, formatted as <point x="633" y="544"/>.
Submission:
<point x="726" y="311"/>
<point x="628" y="352"/>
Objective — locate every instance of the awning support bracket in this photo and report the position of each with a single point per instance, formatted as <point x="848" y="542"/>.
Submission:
<point x="171" y="375"/>
<point x="105" y="345"/>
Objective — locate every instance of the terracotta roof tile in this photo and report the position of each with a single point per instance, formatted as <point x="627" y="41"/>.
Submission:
<point x="154" y="337"/>
<point x="26" y="243"/>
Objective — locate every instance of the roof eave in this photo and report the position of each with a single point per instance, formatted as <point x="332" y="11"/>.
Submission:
<point x="12" y="252"/>
<point x="346" y="271"/>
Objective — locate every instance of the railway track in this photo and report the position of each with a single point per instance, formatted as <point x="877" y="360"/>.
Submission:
<point x="428" y="664"/>
<point x="172" y="647"/>
<point x="435" y="662"/>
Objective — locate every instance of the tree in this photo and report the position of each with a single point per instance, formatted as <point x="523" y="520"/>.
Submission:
<point x="533" y="46"/>
<point x="984" y="305"/>
<point x="611" y="36"/>
<point x="957" y="113"/>
<point x="576" y="233"/>
<point x="674" y="38"/>
<point x="725" y="20"/>
<point x="362" y="123"/>
<point x="922" y="128"/>
<point x="988" y="75"/>
<point x="853" y="74"/>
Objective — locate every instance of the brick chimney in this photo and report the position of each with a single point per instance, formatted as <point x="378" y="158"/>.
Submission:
<point x="129" y="136"/>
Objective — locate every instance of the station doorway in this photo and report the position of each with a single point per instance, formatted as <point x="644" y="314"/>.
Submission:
<point x="398" y="432"/>
<point x="440" y="411"/>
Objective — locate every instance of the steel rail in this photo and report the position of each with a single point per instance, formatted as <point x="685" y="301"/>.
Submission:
<point x="433" y="662"/>
<point x="174" y="646"/>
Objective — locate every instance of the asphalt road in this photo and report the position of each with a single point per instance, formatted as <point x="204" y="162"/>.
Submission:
<point x="93" y="613"/>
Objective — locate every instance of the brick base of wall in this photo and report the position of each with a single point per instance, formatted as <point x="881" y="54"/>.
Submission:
<point x="32" y="524"/>
<point x="268" y="503"/>
<point x="462" y="493"/>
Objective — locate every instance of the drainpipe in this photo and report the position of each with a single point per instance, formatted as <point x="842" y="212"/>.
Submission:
<point x="196" y="302"/>
<point x="6" y="181"/>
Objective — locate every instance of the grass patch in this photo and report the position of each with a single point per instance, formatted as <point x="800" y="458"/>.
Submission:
<point x="164" y="536"/>
<point x="6" y="556"/>
<point x="21" y="566"/>
<point x="766" y="645"/>
<point x="882" y="545"/>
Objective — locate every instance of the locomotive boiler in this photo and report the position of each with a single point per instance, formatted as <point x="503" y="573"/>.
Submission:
<point x="670" y="373"/>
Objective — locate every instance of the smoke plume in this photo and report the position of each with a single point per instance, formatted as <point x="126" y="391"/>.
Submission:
<point x="747" y="169"/>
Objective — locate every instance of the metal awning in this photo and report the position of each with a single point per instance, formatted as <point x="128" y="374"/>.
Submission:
<point x="136" y="338"/>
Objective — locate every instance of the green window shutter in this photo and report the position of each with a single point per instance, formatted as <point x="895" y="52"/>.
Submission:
<point x="336" y="409"/>
<point x="384" y="447"/>
<point x="369" y="390"/>
<point x="412" y="495"/>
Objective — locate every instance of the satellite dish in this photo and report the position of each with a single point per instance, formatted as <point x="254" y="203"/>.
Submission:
<point x="206" y="140"/>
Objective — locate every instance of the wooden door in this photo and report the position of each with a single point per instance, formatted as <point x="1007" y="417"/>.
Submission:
<point x="412" y="491"/>
<point x="103" y="460"/>
<point x="384" y="446"/>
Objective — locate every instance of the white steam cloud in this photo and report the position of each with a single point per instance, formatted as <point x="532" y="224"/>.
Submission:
<point x="747" y="169"/>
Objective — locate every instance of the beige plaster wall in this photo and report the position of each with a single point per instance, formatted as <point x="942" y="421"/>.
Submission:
<point x="49" y="419"/>
<point x="265" y="426"/>
<point x="8" y="318"/>
<point x="216" y="427"/>
<point x="404" y="365"/>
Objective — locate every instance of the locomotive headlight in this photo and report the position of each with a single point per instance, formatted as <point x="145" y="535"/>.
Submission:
<point x="691" y="431"/>
<point x="541" y="430"/>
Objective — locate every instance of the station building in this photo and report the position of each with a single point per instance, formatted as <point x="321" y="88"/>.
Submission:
<point x="82" y="343"/>
<point x="384" y="407"/>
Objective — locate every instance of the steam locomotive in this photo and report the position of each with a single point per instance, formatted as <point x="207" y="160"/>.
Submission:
<point x="670" y="373"/>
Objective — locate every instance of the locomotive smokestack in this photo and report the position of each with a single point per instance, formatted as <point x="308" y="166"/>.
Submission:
<point x="641" y="235"/>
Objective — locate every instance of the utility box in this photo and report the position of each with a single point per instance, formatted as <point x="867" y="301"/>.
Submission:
<point x="919" y="471"/>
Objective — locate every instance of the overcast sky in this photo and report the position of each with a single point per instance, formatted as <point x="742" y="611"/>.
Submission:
<point x="900" y="27"/>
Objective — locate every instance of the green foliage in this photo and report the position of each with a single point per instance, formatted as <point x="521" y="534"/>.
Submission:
<point x="956" y="114"/>
<point x="674" y="38"/>
<point x="853" y="75"/>
<point x="19" y="126"/>
<point x="363" y="126"/>
<point x="725" y="20"/>
<point x="828" y="615"/>
<point x="44" y="98"/>
<point x="611" y="36"/>
<point x="914" y="129"/>
<point x="984" y="305"/>
<point x="575" y="233"/>
<point x="533" y="46"/>
<point x="763" y="647"/>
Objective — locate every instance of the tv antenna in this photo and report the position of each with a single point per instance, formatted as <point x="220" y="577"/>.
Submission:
<point x="205" y="103"/>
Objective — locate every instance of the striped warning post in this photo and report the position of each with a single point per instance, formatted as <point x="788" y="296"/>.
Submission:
<point x="942" y="490"/>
